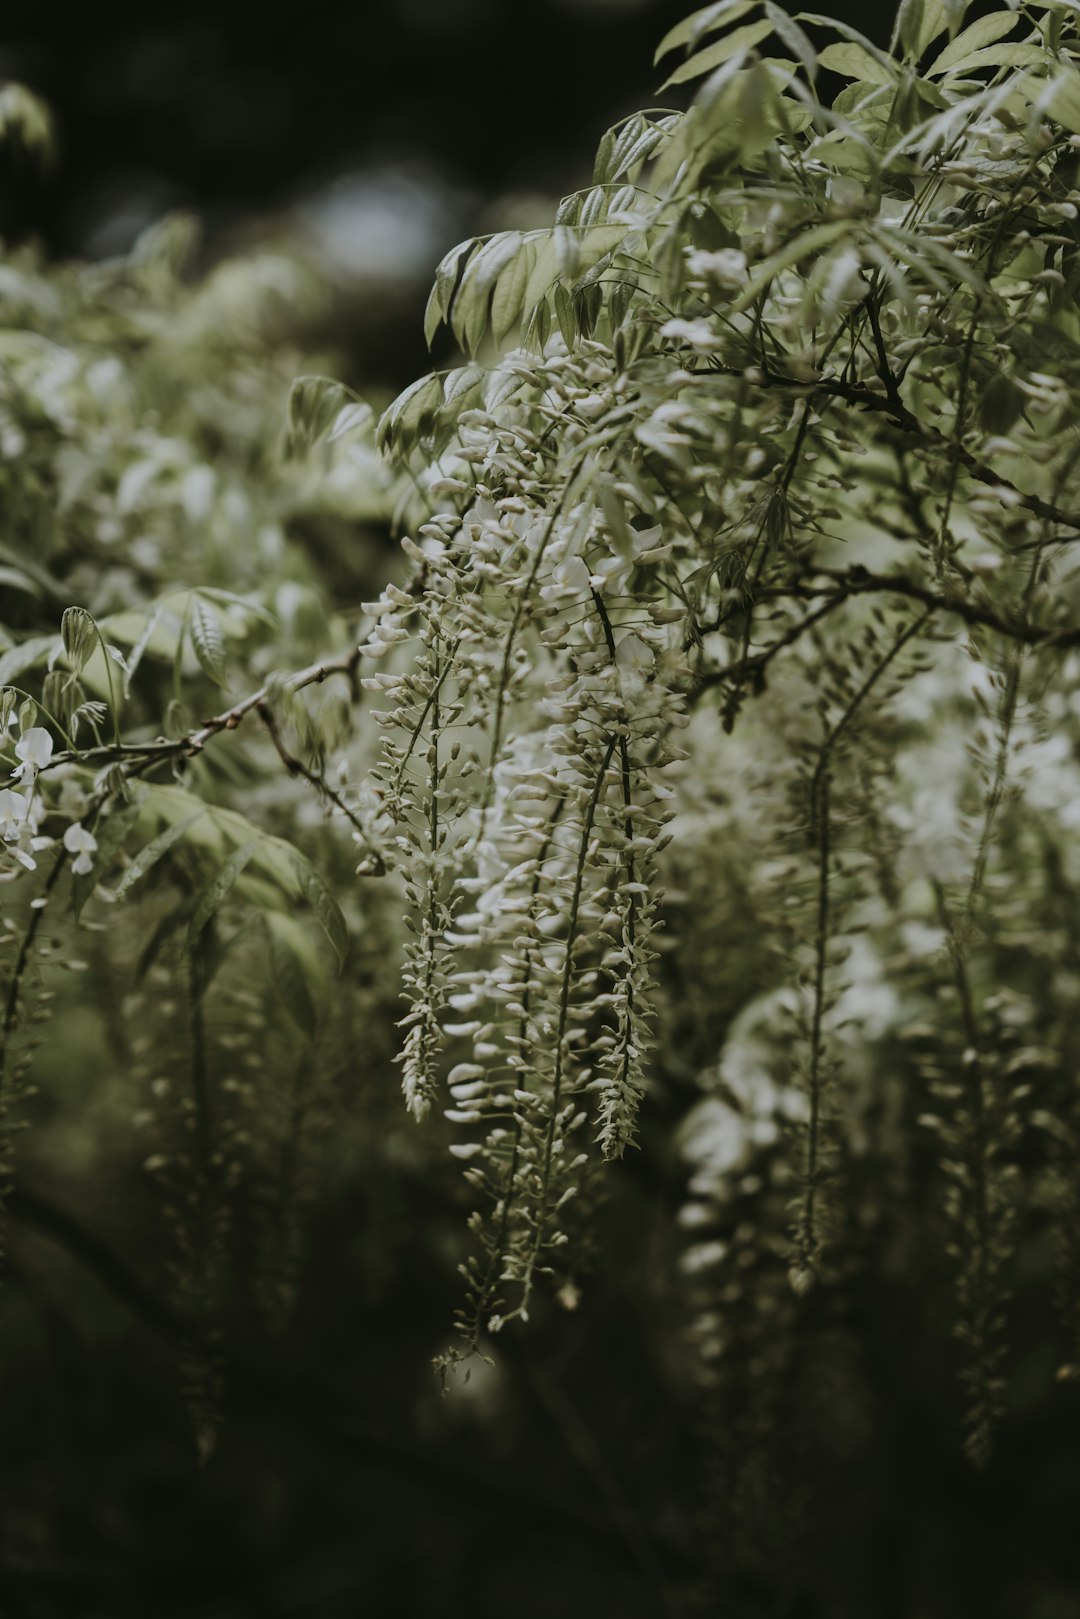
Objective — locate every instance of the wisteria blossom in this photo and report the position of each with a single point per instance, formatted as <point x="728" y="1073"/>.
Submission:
<point x="20" y="814"/>
<point x="82" y="844"/>
<point x="34" y="750"/>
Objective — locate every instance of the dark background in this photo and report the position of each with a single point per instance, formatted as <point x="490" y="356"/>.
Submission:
<point x="376" y="134"/>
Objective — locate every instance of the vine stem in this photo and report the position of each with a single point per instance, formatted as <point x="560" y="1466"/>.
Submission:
<point x="194" y="741"/>
<point x="587" y="823"/>
<point x="11" y="1006"/>
<point x="485" y="1294"/>
<point x="820" y="798"/>
<point x="628" y="833"/>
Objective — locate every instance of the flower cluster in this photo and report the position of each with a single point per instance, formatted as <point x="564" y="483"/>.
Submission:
<point x="22" y="809"/>
<point x="522" y="770"/>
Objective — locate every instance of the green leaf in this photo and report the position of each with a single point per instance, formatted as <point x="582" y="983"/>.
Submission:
<point x="538" y="329"/>
<point x="449" y="271"/>
<point x="623" y="144"/>
<point x="845" y="153"/>
<point x="985" y="31"/>
<point x="16" y="579"/>
<point x="499" y="386"/>
<point x="700" y="23"/>
<point x="1000" y="403"/>
<point x="208" y="640"/>
<point x="937" y="15"/>
<point x="291" y="966"/>
<point x="564" y="315"/>
<point x="788" y="30"/>
<point x="325" y="906"/>
<point x="315" y="404"/>
<point x="592" y="208"/>
<point x="740" y="39"/>
<point x="588" y="301"/>
<point x="508" y="298"/>
<point x="211" y="898"/>
<point x="18" y="659"/>
<point x="565" y="252"/>
<point x="154" y="851"/>
<point x="644" y="144"/>
<point x="810" y="241"/>
<point x="1063" y="101"/>
<point x="909" y="22"/>
<point x="352" y="416"/>
<point x="999" y="56"/>
<point x="602" y="165"/>
<point x="433" y="315"/>
<point x="405" y="418"/>
<point x="470" y="308"/>
<point x="566" y="242"/>
<point x="854" y="61"/>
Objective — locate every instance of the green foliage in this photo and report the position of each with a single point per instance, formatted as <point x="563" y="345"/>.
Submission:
<point x="788" y="447"/>
<point x="141" y="415"/>
<point x="728" y="715"/>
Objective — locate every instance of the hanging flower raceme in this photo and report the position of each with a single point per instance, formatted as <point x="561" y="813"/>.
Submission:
<point x="520" y="759"/>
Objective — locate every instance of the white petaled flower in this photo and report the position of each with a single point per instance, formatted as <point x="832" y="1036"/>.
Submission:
<point x="82" y="844"/>
<point x="13" y="808"/>
<point x="725" y="268"/>
<point x="698" y="334"/>
<point x="633" y="660"/>
<point x="33" y="751"/>
<point x="17" y="823"/>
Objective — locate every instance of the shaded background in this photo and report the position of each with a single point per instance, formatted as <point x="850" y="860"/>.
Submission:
<point x="380" y="134"/>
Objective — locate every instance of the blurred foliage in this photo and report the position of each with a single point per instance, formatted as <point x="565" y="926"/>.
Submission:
<point x="719" y="805"/>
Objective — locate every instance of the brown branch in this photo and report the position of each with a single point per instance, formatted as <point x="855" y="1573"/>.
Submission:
<point x="194" y="741"/>
<point x="893" y="407"/>
<point x="753" y="667"/>
<point x="297" y="767"/>
<point x="859" y="581"/>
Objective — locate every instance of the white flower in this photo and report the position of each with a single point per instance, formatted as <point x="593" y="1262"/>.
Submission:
<point x="13" y="808"/>
<point x="632" y="659"/>
<point x="697" y="333"/>
<point x="568" y="577"/>
<point x="633" y="654"/>
<point x="19" y="816"/>
<point x="726" y="268"/>
<point x="82" y="844"/>
<point x="33" y="750"/>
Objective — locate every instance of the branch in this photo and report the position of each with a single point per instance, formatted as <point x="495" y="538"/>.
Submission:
<point x="753" y="666"/>
<point x="194" y="741"/>
<point x="859" y="581"/>
<point x="297" y="767"/>
<point x="892" y="406"/>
